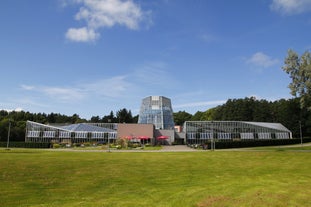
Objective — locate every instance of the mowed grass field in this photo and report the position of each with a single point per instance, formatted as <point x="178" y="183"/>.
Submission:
<point x="222" y="178"/>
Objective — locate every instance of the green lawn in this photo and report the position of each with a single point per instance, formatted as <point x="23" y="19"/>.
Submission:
<point x="202" y="178"/>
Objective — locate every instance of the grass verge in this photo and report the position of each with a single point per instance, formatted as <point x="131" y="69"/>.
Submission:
<point x="220" y="178"/>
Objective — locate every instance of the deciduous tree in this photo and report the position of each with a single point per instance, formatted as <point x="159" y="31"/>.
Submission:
<point x="299" y="70"/>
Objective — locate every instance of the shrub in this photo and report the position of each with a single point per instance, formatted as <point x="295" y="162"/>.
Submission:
<point x="257" y="143"/>
<point x="87" y="144"/>
<point x="122" y="142"/>
<point x="76" y="144"/>
<point x="56" y="146"/>
<point x="26" y="144"/>
<point x="135" y="145"/>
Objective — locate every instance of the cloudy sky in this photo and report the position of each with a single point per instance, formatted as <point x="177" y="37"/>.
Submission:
<point x="93" y="56"/>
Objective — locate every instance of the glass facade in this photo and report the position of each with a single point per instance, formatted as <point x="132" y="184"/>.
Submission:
<point x="156" y="110"/>
<point x="200" y="131"/>
<point x="74" y="133"/>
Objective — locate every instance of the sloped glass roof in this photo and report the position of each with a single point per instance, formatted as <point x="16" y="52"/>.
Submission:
<point x="86" y="127"/>
<point x="234" y="126"/>
<point x="276" y="126"/>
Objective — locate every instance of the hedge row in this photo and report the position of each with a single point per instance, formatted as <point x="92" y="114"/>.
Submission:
<point x="257" y="143"/>
<point x="25" y="145"/>
<point x="219" y="144"/>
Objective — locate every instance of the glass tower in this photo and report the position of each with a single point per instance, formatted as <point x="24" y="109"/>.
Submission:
<point x="156" y="110"/>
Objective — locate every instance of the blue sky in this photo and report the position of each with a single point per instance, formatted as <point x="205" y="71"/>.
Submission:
<point x="93" y="56"/>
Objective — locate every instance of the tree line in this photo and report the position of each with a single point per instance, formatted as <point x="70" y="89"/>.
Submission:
<point x="295" y="113"/>
<point x="287" y="112"/>
<point x="17" y="121"/>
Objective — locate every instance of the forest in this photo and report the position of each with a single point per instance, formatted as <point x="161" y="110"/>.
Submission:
<point x="285" y="111"/>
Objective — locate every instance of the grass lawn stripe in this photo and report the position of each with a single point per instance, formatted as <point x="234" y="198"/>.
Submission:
<point x="220" y="178"/>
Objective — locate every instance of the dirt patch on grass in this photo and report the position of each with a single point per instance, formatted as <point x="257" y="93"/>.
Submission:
<point x="214" y="201"/>
<point x="258" y="198"/>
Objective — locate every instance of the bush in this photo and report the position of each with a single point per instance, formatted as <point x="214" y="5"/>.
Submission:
<point x="87" y="144"/>
<point x="26" y="144"/>
<point x="122" y="142"/>
<point x="76" y="144"/>
<point x="135" y="145"/>
<point x="56" y="146"/>
<point x="254" y="143"/>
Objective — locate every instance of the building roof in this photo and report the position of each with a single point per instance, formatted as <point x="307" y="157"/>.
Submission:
<point x="268" y="125"/>
<point x="276" y="126"/>
<point x="86" y="127"/>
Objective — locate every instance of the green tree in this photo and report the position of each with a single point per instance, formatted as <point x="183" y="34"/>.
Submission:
<point x="4" y="125"/>
<point x="109" y="118"/>
<point x="135" y="119"/>
<point x="299" y="70"/>
<point x="198" y="116"/>
<point x="181" y="116"/>
<point x="95" y="119"/>
<point x="262" y="111"/>
<point x="124" y="116"/>
<point x="209" y="114"/>
<point x="288" y="112"/>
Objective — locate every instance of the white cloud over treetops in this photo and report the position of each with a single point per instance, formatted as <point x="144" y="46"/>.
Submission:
<point x="260" y="59"/>
<point x="11" y="110"/>
<point x="102" y="14"/>
<point x="110" y="87"/>
<point x="289" y="7"/>
<point x="60" y="93"/>
<point x="82" y="34"/>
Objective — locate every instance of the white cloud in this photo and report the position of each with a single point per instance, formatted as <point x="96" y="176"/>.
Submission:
<point x="105" y="13"/>
<point x="65" y="94"/>
<point x="110" y="87"/>
<point x="18" y="109"/>
<point x="27" y="87"/>
<point x="260" y="59"/>
<point x="289" y="7"/>
<point x="82" y="34"/>
<point x="57" y="93"/>
<point x="155" y="75"/>
<point x="114" y="87"/>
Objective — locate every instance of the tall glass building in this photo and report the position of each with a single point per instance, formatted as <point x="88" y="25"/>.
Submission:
<point x="156" y="110"/>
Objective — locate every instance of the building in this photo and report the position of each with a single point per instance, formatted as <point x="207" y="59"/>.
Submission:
<point x="194" y="132"/>
<point x="73" y="133"/>
<point x="145" y="132"/>
<point x="155" y="123"/>
<point x="156" y="110"/>
<point x="201" y="131"/>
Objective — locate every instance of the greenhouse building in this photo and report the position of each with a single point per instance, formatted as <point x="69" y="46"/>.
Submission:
<point x="73" y="133"/>
<point x="201" y="131"/>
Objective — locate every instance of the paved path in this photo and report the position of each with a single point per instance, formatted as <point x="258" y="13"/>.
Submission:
<point x="165" y="148"/>
<point x="172" y="148"/>
<point x="178" y="148"/>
